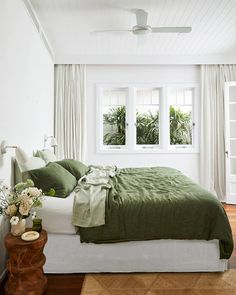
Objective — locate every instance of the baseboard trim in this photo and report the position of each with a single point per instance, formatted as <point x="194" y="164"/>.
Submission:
<point x="231" y="201"/>
<point x="3" y="275"/>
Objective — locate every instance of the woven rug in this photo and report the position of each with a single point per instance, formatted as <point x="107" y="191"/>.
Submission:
<point x="161" y="283"/>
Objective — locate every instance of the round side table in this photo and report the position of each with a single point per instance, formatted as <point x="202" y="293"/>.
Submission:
<point x="25" y="265"/>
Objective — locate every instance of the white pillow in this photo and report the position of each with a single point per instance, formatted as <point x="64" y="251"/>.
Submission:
<point x="26" y="163"/>
<point x="21" y="155"/>
<point x="32" y="163"/>
<point x="47" y="156"/>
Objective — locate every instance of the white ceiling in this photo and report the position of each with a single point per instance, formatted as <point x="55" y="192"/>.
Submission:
<point x="68" y="25"/>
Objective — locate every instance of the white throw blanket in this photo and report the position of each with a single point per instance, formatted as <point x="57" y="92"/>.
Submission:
<point x="90" y="197"/>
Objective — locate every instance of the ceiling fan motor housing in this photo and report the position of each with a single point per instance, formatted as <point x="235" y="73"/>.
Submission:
<point x="141" y="30"/>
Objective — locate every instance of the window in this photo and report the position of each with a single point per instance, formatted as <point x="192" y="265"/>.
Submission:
<point x="180" y="116"/>
<point x="147" y="119"/>
<point x="147" y="116"/>
<point x="114" y="117"/>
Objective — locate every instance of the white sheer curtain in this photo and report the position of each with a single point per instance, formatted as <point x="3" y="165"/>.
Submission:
<point x="70" y="93"/>
<point x="212" y="149"/>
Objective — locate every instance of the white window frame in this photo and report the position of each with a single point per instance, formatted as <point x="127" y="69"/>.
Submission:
<point x="164" y="146"/>
<point x="100" y="120"/>
<point x="146" y="147"/>
<point x="195" y="121"/>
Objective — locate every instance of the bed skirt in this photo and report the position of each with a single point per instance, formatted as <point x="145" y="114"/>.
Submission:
<point x="65" y="254"/>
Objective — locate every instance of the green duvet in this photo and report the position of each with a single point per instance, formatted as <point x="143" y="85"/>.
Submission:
<point x="160" y="203"/>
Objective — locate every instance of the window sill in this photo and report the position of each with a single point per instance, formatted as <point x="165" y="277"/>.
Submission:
<point x="149" y="151"/>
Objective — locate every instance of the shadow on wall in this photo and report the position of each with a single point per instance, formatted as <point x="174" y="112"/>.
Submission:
<point x="1" y="160"/>
<point x="13" y="172"/>
<point x="4" y="229"/>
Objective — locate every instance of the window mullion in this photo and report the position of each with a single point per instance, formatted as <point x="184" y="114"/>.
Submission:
<point x="131" y="120"/>
<point x="195" y="117"/>
<point x="164" y="119"/>
<point x="99" y="119"/>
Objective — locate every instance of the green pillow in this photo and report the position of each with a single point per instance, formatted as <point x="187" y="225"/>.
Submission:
<point x="53" y="176"/>
<point x="78" y="169"/>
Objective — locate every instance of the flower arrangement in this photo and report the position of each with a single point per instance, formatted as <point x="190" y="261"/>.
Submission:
<point x="16" y="203"/>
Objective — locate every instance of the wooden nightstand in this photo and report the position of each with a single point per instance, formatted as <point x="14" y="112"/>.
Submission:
<point x="25" y="265"/>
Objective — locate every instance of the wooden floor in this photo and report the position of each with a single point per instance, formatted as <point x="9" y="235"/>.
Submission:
<point x="64" y="284"/>
<point x="231" y="212"/>
<point x="71" y="284"/>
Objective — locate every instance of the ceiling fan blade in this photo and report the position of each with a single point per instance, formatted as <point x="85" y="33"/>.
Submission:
<point x="141" y="17"/>
<point x="172" y="30"/>
<point x="111" y="31"/>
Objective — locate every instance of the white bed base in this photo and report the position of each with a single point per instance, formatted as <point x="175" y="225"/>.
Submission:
<point x="65" y="254"/>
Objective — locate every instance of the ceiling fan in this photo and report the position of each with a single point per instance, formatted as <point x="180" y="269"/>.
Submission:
<point x="142" y="28"/>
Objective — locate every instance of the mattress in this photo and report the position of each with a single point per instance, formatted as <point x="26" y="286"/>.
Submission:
<point x="56" y="215"/>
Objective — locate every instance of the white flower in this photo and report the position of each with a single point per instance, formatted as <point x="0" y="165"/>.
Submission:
<point x="20" y="200"/>
<point x="34" y="214"/>
<point x="11" y="210"/>
<point x="25" y="193"/>
<point x="34" y="192"/>
<point x="26" y="199"/>
<point x="14" y="220"/>
<point x="25" y="205"/>
<point x="7" y="189"/>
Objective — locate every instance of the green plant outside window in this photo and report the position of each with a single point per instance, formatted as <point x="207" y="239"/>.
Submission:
<point x="147" y="127"/>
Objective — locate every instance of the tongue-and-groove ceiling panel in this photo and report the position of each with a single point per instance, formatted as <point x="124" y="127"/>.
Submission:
<point x="69" y="25"/>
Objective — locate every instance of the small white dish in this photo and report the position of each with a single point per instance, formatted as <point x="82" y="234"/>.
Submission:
<point x="30" y="235"/>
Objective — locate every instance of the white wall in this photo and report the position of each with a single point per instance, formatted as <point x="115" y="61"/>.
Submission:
<point x="187" y="163"/>
<point x="26" y="89"/>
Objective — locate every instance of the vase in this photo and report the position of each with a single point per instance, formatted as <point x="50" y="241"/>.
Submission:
<point x="37" y="224"/>
<point x="18" y="229"/>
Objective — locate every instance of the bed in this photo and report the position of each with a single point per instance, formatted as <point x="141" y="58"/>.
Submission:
<point x="66" y="254"/>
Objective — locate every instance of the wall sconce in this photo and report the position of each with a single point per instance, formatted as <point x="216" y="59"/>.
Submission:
<point x="4" y="146"/>
<point x="53" y="141"/>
